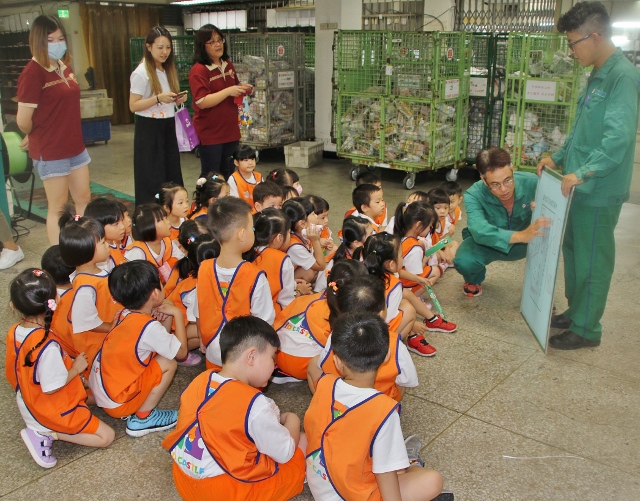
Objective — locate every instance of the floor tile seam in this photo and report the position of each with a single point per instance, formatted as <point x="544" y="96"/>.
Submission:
<point x="560" y="448"/>
<point x="441" y="432"/>
<point x="438" y="404"/>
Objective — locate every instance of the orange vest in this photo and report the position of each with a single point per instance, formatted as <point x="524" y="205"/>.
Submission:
<point x="310" y="316"/>
<point x="440" y="234"/>
<point x="245" y="188"/>
<point x="217" y="414"/>
<point x="182" y="288"/>
<point x="457" y="213"/>
<point x="329" y="425"/>
<point x="390" y="284"/>
<point x="175" y="233"/>
<point x="63" y="411"/>
<point x="61" y="323"/>
<point x="173" y="280"/>
<point x="120" y="367"/>
<point x="387" y="373"/>
<point x="407" y="244"/>
<point x="325" y="233"/>
<point x="202" y="212"/>
<point x="219" y="302"/>
<point x="116" y="256"/>
<point x="271" y="261"/>
<point x="165" y="258"/>
<point x="11" y="355"/>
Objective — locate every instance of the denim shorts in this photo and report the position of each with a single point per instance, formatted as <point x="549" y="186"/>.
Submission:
<point x="56" y="168"/>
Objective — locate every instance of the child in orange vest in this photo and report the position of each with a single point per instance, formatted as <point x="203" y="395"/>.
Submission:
<point x="208" y="190"/>
<point x="136" y="362"/>
<point x="189" y="231"/>
<point x="272" y="233"/>
<point x="52" y="263"/>
<point x="454" y="190"/>
<point x="416" y="196"/>
<point x="368" y="200"/>
<point x="367" y="294"/>
<point x="108" y="214"/>
<point x="49" y="392"/>
<point x="304" y="326"/>
<point x="231" y="441"/>
<point x="126" y="219"/>
<point x="93" y="310"/>
<point x="267" y="194"/>
<point x="152" y="233"/>
<point x="321" y="210"/>
<point x="439" y="199"/>
<point x="245" y="178"/>
<point x="348" y="410"/>
<point x="370" y="177"/>
<point x="229" y="286"/>
<point x="175" y="200"/>
<point x="304" y="248"/>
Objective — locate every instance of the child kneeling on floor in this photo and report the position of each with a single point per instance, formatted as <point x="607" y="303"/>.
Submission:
<point x="136" y="363"/>
<point x="356" y="449"/>
<point x="231" y="442"/>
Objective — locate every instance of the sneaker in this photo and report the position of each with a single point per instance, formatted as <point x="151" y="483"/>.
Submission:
<point x="281" y="377"/>
<point x="191" y="360"/>
<point x="156" y="421"/>
<point x="472" y="290"/>
<point x="439" y="324"/>
<point x="40" y="447"/>
<point x="418" y="344"/>
<point x="444" y="496"/>
<point x="413" y="445"/>
<point x="8" y="258"/>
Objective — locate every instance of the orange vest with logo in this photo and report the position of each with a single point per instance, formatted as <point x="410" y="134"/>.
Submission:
<point x="407" y="245"/>
<point x="329" y="425"/>
<point x="271" y="261"/>
<point x="217" y="414"/>
<point x="387" y="373"/>
<point x="219" y="302"/>
<point x="166" y="255"/>
<point x="120" y="367"/>
<point x="314" y="312"/>
<point x="61" y="325"/>
<point x="63" y="411"/>
<point x="245" y="188"/>
<point x="180" y="290"/>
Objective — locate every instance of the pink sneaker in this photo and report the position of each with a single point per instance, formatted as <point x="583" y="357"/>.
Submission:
<point x="40" y="447"/>
<point x="191" y="360"/>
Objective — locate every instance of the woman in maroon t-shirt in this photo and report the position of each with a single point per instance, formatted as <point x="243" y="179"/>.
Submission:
<point x="214" y="84"/>
<point x="49" y="113"/>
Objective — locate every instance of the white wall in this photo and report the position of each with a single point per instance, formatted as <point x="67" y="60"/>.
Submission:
<point x="347" y="14"/>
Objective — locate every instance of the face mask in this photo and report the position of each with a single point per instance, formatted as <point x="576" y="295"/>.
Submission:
<point x="299" y="189"/>
<point x="57" y="50"/>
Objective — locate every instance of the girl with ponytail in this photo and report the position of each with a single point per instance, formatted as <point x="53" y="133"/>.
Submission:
<point x="208" y="190"/>
<point x="49" y="391"/>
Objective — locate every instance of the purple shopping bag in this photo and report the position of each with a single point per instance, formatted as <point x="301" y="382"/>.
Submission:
<point x="185" y="131"/>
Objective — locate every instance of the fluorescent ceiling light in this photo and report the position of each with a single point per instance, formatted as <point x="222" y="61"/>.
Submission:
<point x="185" y="3"/>
<point x="627" y="24"/>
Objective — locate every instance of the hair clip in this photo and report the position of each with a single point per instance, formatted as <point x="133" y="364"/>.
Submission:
<point x="51" y="304"/>
<point x="214" y="177"/>
<point x="76" y="218"/>
<point x="201" y="181"/>
<point x="191" y="239"/>
<point x="373" y="251"/>
<point x="157" y="196"/>
<point x="406" y="205"/>
<point x="274" y="174"/>
<point x="334" y="286"/>
<point x="37" y="272"/>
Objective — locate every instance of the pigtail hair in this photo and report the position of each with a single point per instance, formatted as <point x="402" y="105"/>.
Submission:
<point x="48" y="316"/>
<point x="399" y="227"/>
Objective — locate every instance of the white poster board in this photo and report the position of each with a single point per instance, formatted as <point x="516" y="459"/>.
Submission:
<point x="543" y="255"/>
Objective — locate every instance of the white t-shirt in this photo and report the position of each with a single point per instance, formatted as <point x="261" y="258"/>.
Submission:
<point x="261" y="307"/>
<point x="375" y="226"/>
<point x="190" y="302"/>
<point x="288" y="292"/>
<point x="136" y="253"/>
<point x="51" y="372"/>
<point x="389" y="452"/>
<point x="393" y="302"/>
<point x="141" y="86"/>
<point x="301" y="256"/>
<point x="233" y="186"/>
<point x="389" y="228"/>
<point x="84" y="313"/>
<point x="412" y="262"/>
<point x="408" y="376"/>
<point x="263" y="424"/>
<point x="154" y="339"/>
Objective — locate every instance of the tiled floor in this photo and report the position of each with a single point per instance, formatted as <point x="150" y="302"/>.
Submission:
<point x="499" y="419"/>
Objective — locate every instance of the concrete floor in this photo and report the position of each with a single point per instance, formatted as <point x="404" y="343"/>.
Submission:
<point x="498" y="418"/>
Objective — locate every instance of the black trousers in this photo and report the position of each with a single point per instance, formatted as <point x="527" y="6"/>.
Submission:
<point x="156" y="159"/>
<point x="217" y="158"/>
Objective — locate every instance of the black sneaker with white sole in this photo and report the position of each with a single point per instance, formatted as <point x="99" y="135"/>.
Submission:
<point x="281" y="377"/>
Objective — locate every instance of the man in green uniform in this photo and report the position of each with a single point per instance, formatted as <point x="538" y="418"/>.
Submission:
<point x="499" y="223"/>
<point x="597" y="158"/>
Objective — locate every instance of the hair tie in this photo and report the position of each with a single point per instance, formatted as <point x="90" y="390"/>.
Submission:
<point x="37" y="272"/>
<point x="76" y="218"/>
<point x="157" y="196"/>
<point x="201" y="181"/>
<point x="51" y="304"/>
<point x="334" y="286"/>
<point x="373" y="251"/>
<point x="191" y="239"/>
<point x="274" y="174"/>
<point x="406" y="205"/>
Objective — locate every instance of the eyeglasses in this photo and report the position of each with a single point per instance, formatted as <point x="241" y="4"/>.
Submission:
<point x="215" y="41"/>
<point x="572" y="44"/>
<point x="507" y="183"/>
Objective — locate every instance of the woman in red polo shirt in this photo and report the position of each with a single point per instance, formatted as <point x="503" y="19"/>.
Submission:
<point x="214" y="84"/>
<point x="49" y="113"/>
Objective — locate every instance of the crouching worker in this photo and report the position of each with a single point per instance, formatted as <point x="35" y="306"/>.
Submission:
<point x="231" y="442"/>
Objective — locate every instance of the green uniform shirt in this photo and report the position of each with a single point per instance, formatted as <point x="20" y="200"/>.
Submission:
<point x="489" y="222"/>
<point x="601" y="144"/>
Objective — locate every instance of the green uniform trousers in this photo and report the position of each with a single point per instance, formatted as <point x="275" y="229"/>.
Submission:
<point x="589" y="251"/>
<point x="472" y="258"/>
